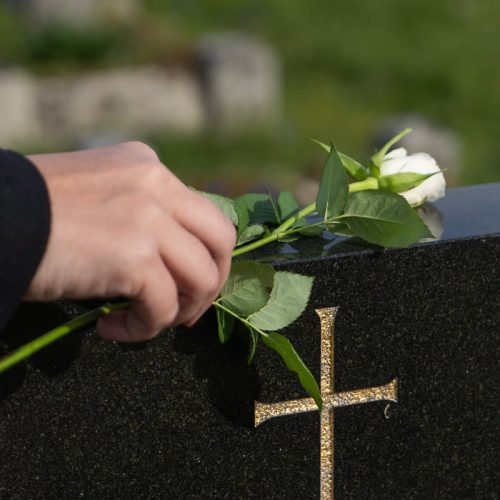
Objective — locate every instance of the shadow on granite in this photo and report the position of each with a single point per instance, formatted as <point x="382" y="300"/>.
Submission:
<point x="232" y="383"/>
<point x="26" y="325"/>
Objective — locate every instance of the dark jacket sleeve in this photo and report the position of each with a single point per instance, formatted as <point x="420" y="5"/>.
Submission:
<point x="24" y="228"/>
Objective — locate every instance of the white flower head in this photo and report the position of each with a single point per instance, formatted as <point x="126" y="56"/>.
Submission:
<point x="431" y="189"/>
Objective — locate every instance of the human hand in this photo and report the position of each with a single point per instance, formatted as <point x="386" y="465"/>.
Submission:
<point x="124" y="225"/>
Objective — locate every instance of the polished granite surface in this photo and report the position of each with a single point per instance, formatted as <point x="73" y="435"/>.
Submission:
<point x="467" y="212"/>
<point x="174" y="418"/>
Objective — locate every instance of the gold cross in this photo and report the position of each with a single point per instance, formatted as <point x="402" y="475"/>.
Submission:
<point x="331" y="400"/>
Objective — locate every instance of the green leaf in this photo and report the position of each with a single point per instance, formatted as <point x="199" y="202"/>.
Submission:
<point x="378" y="158"/>
<point x="247" y="288"/>
<point x="241" y="209"/>
<point x="287" y="204"/>
<point x="292" y="360"/>
<point x="251" y="233"/>
<point x="340" y="228"/>
<point x="352" y="167"/>
<point x="308" y="228"/>
<point x="326" y="147"/>
<point x="289" y="297"/>
<point x="225" y="205"/>
<point x="333" y="188"/>
<point x="225" y="324"/>
<point x="289" y="238"/>
<point x="254" y="339"/>
<point x="259" y="207"/>
<point x="383" y="218"/>
<point x="312" y="231"/>
<point x="402" y="181"/>
<point x="275" y="207"/>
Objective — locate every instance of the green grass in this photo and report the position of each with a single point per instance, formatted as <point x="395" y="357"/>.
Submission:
<point x="234" y="166"/>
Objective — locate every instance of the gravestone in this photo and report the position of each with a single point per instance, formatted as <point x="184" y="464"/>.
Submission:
<point x="18" y="107"/>
<point x="241" y="77"/>
<point x="76" y="13"/>
<point x="141" y="100"/>
<point x="403" y="341"/>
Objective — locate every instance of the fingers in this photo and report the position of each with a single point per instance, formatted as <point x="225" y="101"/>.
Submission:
<point x="176" y="281"/>
<point x="140" y="233"/>
<point x="204" y="220"/>
<point x="193" y="268"/>
<point x="198" y="215"/>
<point x="218" y="235"/>
<point x="155" y="306"/>
<point x="194" y="243"/>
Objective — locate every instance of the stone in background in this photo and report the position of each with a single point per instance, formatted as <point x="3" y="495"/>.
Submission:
<point x="238" y="88"/>
<point x="126" y="100"/>
<point x="18" y="107"/>
<point x="75" y="12"/>
<point x="241" y="78"/>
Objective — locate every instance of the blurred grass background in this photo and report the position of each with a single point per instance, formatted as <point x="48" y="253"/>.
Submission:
<point x="347" y="65"/>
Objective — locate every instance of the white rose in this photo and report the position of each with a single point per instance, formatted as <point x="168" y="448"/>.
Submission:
<point x="431" y="189"/>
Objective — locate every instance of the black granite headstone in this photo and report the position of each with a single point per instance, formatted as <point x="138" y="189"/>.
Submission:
<point x="174" y="418"/>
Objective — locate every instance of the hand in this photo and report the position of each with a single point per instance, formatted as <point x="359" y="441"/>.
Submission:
<point x="124" y="225"/>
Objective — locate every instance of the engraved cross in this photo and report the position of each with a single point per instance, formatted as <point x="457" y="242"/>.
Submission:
<point x="331" y="400"/>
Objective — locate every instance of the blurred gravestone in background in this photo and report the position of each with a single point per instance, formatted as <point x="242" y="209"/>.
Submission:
<point x="124" y="100"/>
<point x="75" y="12"/>
<point x="441" y="143"/>
<point x="230" y="83"/>
<point x="18" y="106"/>
<point x="242" y="81"/>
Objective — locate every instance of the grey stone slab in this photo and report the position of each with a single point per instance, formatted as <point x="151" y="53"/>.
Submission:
<point x="75" y="13"/>
<point x="242" y="81"/>
<point x="126" y="100"/>
<point x="19" y="107"/>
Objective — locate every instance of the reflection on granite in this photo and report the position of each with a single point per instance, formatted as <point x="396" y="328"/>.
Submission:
<point x="434" y="220"/>
<point x="464" y="213"/>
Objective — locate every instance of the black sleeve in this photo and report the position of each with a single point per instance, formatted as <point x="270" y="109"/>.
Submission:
<point x="24" y="228"/>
